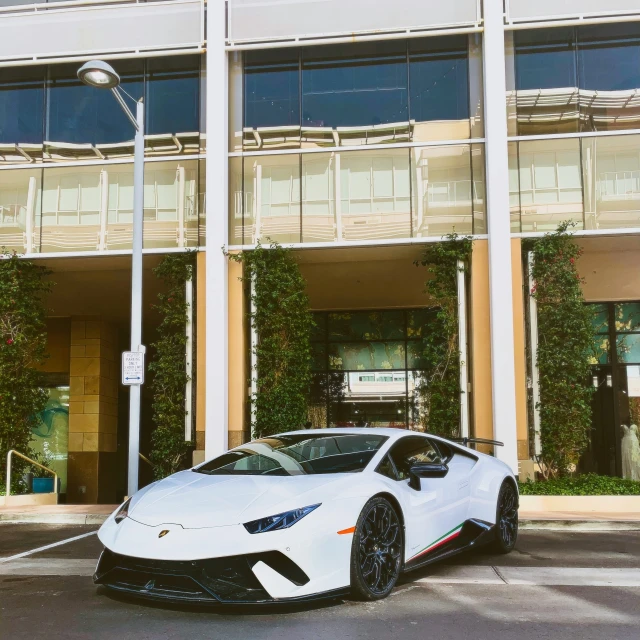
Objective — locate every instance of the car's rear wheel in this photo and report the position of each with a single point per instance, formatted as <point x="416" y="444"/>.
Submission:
<point x="506" y="519"/>
<point x="376" y="552"/>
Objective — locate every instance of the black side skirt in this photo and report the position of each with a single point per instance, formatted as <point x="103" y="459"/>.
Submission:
<point x="474" y="533"/>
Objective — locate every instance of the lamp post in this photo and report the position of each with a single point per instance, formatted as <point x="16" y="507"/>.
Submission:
<point x="99" y="74"/>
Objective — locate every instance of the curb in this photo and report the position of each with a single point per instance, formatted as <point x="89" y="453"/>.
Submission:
<point x="53" y="518"/>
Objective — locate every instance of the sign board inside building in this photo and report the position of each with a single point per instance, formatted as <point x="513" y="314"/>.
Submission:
<point x="132" y="367"/>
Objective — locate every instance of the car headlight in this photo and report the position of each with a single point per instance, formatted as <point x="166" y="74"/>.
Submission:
<point x="123" y="512"/>
<point x="279" y="521"/>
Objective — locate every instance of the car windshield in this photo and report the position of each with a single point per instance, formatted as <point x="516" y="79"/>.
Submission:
<point x="294" y="455"/>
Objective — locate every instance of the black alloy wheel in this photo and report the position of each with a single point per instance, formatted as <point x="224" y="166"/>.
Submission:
<point x="376" y="552"/>
<point x="506" y="519"/>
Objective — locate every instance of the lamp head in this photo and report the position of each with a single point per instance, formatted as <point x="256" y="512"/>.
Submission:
<point x="99" y="74"/>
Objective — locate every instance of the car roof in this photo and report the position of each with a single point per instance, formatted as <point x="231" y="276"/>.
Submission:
<point x="379" y="431"/>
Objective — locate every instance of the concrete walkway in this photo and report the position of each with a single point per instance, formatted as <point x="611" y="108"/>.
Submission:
<point x="552" y="520"/>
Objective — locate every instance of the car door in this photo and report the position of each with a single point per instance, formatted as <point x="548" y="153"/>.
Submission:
<point x="429" y="517"/>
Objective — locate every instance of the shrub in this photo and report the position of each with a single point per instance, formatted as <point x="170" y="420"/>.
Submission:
<point x="565" y="336"/>
<point x="169" y="451"/>
<point x="589" y="484"/>
<point x="23" y="343"/>
<point x="283" y="324"/>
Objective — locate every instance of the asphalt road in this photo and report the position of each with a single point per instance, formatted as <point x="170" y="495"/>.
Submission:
<point x="585" y="585"/>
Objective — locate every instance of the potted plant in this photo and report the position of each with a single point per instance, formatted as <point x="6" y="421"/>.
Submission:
<point x="43" y="480"/>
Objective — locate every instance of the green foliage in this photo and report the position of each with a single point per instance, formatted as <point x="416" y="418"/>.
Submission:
<point x="283" y="325"/>
<point x="440" y="390"/>
<point x="565" y="336"/>
<point x="23" y="343"/>
<point x="589" y="484"/>
<point x="169" y="451"/>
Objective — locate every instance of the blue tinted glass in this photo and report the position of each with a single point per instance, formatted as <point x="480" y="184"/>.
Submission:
<point x="81" y="114"/>
<point x="439" y="84"/>
<point x="354" y="85"/>
<point x="272" y="88"/>
<point x="22" y="105"/>
<point x="609" y="57"/>
<point x="173" y="95"/>
<point x="545" y="59"/>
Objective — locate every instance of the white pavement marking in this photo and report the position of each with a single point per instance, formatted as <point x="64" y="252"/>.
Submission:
<point x="48" y="567"/>
<point x="48" y="546"/>
<point x="536" y="576"/>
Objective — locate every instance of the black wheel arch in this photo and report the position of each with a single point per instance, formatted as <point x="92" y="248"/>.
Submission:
<point x="510" y="480"/>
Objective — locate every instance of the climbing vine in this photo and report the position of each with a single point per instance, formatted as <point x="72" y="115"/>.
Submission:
<point x="23" y="345"/>
<point x="283" y="324"/>
<point x="440" y="353"/>
<point x="169" y="451"/>
<point x="564" y="340"/>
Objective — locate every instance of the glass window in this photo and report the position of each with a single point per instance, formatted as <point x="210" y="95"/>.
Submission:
<point x="628" y="347"/>
<point x="609" y="76"/>
<point x="272" y="199"/>
<point x="173" y="95"/>
<point x="550" y="183"/>
<point x="413" y="450"/>
<point x="442" y="190"/>
<point x="20" y="202"/>
<point x="366" y="325"/>
<point x="627" y="317"/>
<point x="301" y="454"/>
<point x="355" y="86"/>
<point x="22" y="105"/>
<point x="611" y="176"/>
<point x="272" y="88"/>
<point x="546" y="82"/>
<point x="80" y="114"/>
<point x="439" y="88"/>
<point x="386" y="468"/>
<point x="320" y="223"/>
<point x="358" y="356"/>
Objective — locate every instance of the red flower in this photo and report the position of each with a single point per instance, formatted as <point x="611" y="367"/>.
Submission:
<point x="10" y="341"/>
<point x="573" y="261"/>
<point x="169" y="299"/>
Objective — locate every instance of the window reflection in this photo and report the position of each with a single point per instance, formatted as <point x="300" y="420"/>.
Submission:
<point x="611" y="174"/>
<point x="357" y="195"/>
<point x="359" y="94"/>
<point x="21" y="110"/>
<point x="84" y="115"/>
<point x="585" y="79"/>
<point x="549" y="181"/>
<point x="20" y="201"/>
<point x="173" y="95"/>
<point x="438" y="69"/>
<point x="91" y="208"/>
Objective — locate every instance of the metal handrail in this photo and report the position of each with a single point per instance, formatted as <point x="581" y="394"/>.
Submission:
<point x="37" y="464"/>
<point x="143" y="457"/>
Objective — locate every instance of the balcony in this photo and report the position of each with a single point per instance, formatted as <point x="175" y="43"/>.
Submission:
<point x="91" y="28"/>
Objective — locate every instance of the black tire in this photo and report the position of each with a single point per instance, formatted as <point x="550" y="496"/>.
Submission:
<point x="376" y="550"/>
<point x="506" y="531"/>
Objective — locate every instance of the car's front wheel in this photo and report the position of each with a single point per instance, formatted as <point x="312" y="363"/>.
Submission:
<point x="376" y="552"/>
<point x="506" y="519"/>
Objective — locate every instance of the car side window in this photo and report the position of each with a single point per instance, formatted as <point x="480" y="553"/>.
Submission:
<point x="385" y="468"/>
<point x="413" y="450"/>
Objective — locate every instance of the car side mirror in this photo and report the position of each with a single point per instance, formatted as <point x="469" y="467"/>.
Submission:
<point x="426" y="470"/>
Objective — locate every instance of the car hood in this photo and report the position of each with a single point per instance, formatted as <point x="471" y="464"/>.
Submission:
<point x="197" y="501"/>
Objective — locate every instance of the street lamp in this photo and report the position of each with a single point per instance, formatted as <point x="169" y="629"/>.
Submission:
<point x="99" y="74"/>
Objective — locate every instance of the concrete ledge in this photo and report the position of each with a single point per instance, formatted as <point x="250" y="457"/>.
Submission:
<point x="29" y="500"/>
<point x="581" y="504"/>
<point x="578" y="525"/>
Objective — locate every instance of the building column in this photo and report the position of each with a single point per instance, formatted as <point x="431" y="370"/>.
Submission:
<point x="93" y="412"/>
<point x="217" y="99"/>
<point x="498" y="227"/>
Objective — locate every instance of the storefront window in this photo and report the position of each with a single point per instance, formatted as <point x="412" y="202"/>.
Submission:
<point x="22" y="105"/>
<point x="366" y="368"/>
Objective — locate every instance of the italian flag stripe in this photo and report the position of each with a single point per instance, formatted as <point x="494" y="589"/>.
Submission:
<point x="454" y="533"/>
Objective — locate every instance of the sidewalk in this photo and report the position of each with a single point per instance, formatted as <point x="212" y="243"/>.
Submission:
<point x="529" y="519"/>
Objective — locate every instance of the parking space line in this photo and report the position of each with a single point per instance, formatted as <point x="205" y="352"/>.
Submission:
<point x="48" y="546"/>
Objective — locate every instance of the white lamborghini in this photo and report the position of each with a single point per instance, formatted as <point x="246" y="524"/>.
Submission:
<point x="308" y="514"/>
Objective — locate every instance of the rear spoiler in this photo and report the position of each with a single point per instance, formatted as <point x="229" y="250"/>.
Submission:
<point x="465" y="442"/>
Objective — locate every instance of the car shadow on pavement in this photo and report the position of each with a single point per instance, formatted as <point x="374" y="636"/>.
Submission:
<point x="222" y="609"/>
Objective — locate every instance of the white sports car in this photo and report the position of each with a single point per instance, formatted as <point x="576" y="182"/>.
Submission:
<point x="308" y="514"/>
